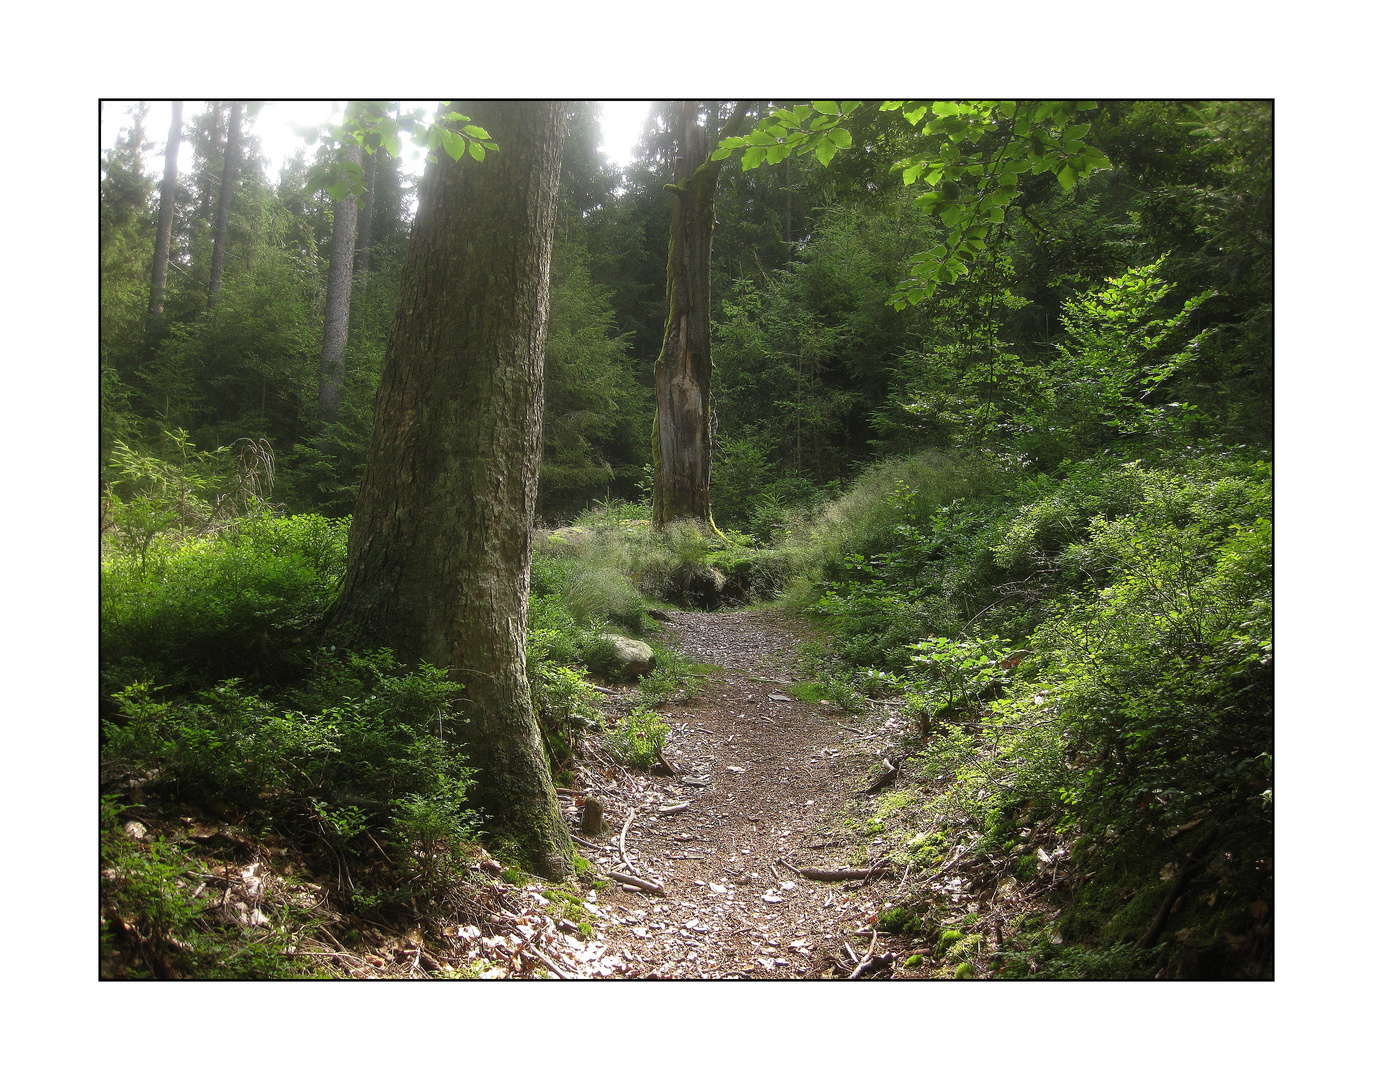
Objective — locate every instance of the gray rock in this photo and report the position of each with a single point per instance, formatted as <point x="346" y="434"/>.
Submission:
<point x="626" y="658"/>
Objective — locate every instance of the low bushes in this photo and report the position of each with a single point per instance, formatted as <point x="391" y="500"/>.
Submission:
<point x="1094" y="652"/>
<point x="240" y="603"/>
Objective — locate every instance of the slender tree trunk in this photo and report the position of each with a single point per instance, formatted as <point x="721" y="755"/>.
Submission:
<point x="206" y="176"/>
<point x="363" y="253"/>
<point x="681" y="377"/>
<point x="226" y="195"/>
<point x="441" y="540"/>
<point x="166" y="210"/>
<point x="338" y="297"/>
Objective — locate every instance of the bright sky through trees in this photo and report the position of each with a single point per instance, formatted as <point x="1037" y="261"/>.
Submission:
<point x="275" y="127"/>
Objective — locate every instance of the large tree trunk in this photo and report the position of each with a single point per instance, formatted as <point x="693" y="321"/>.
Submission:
<point x="681" y="377"/>
<point x="226" y="195"/>
<point x="441" y="539"/>
<point x="165" y="211"/>
<point x="337" y="301"/>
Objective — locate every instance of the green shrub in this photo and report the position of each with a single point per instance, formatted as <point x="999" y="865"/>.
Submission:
<point x="567" y="706"/>
<point x="374" y="750"/>
<point x="637" y="739"/>
<point x="244" y="603"/>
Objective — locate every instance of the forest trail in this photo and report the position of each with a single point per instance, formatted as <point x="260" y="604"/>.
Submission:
<point x="768" y="780"/>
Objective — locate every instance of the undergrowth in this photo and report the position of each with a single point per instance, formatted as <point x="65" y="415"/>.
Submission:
<point x="1087" y="662"/>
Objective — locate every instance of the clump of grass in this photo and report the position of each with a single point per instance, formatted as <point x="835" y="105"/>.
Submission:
<point x="674" y="679"/>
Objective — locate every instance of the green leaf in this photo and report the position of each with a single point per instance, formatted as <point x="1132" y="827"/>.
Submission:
<point x="1067" y="177"/>
<point x="946" y="108"/>
<point x="753" y="157"/>
<point x="847" y="107"/>
<point x="475" y="132"/>
<point x="455" y="144"/>
<point x="478" y="151"/>
<point x="824" y="150"/>
<point x="841" y="138"/>
<point x="829" y="108"/>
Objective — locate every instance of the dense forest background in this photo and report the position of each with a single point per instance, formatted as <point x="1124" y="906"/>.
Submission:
<point x="1035" y="507"/>
<point x="818" y="376"/>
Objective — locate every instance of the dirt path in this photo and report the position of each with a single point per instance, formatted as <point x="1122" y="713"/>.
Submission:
<point x="781" y="776"/>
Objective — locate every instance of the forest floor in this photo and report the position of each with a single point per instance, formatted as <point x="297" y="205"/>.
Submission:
<point x="753" y="852"/>
<point x="767" y="787"/>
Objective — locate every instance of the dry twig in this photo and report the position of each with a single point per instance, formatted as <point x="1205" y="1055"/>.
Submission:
<point x="861" y="965"/>
<point x="547" y="962"/>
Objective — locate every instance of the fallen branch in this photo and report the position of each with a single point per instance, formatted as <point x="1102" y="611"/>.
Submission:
<point x="888" y="776"/>
<point x="658" y="753"/>
<point x="637" y="882"/>
<point x="860" y="967"/>
<point x="854" y="874"/>
<point x="529" y="947"/>
<point x="872" y="964"/>
<point x="676" y="808"/>
<point x="623" y="853"/>
<point x="587" y="843"/>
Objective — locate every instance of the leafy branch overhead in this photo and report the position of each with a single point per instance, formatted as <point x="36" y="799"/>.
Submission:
<point x="372" y="126"/>
<point x="973" y="176"/>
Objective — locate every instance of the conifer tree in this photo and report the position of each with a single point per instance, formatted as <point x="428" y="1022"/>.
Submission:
<point x="165" y="212"/>
<point x="226" y="193"/>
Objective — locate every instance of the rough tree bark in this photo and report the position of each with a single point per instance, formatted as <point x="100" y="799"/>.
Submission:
<point x="226" y="195"/>
<point x="337" y="301"/>
<point x="681" y="376"/>
<point x="166" y="209"/>
<point x="441" y="540"/>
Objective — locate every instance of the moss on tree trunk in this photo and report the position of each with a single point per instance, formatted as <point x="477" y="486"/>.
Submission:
<point x="440" y="545"/>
